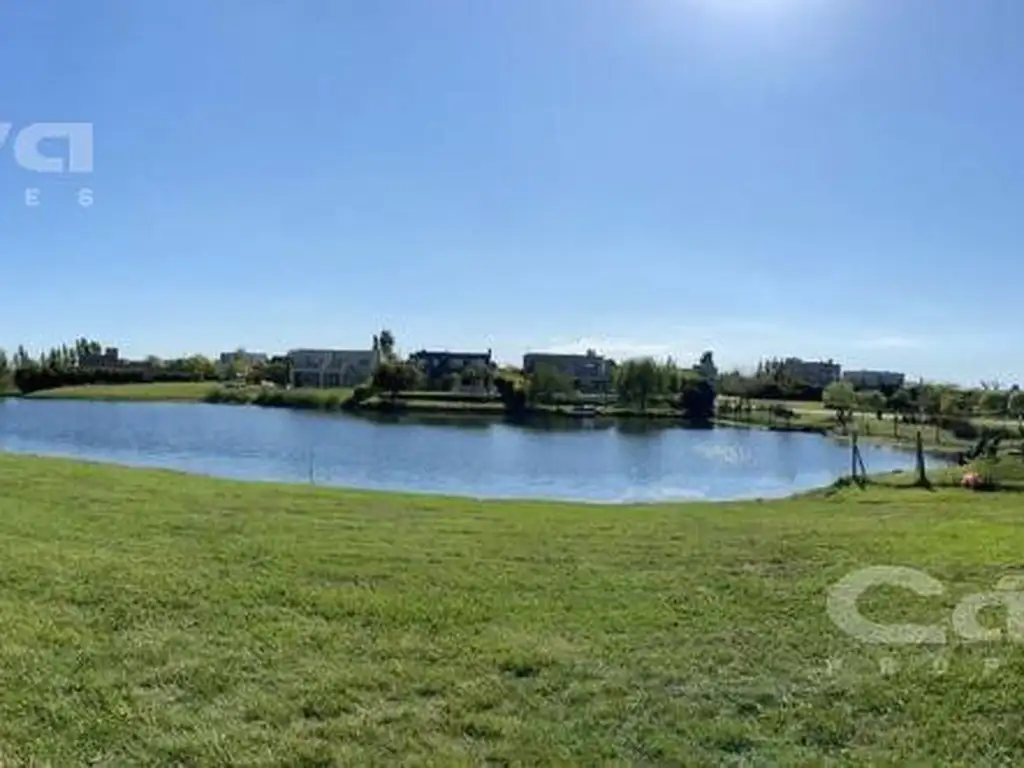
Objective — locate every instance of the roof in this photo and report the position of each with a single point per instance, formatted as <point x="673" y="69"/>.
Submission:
<point x="346" y="352"/>
<point x="332" y="358"/>
<point x="445" y="353"/>
<point x="560" y="356"/>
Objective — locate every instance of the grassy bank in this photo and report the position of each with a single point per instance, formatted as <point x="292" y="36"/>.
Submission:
<point x="307" y="399"/>
<point x="814" y="417"/>
<point x="187" y="391"/>
<point x="154" y="618"/>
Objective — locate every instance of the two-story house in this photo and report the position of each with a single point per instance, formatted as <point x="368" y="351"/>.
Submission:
<point x="437" y="365"/>
<point x="875" y="379"/>
<point x="591" y="373"/>
<point x="817" y="373"/>
<point x="326" y="368"/>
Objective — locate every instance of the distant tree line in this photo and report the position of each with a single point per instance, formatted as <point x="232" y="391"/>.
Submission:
<point x="773" y="380"/>
<point x="81" y="363"/>
<point x="639" y="384"/>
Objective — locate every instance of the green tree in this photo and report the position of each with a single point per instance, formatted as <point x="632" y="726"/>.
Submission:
<point x="706" y="366"/>
<point x="671" y="378"/>
<point x="395" y="376"/>
<point x="994" y="402"/>
<point x="5" y="371"/>
<point x="872" y="401"/>
<point x="697" y="398"/>
<point x="840" y="397"/>
<point x="22" y="359"/>
<point x="511" y="388"/>
<point x="199" y="366"/>
<point x="275" y="370"/>
<point x="952" y="404"/>
<point x="546" y="384"/>
<point x="637" y="381"/>
<point x="386" y="340"/>
<point x="1015" y="405"/>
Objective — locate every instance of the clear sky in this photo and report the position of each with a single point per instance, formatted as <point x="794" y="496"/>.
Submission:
<point x="835" y="178"/>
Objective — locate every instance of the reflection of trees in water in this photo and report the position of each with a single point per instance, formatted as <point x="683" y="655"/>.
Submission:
<point x="556" y="423"/>
<point x="469" y="421"/>
<point x="654" y="426"/>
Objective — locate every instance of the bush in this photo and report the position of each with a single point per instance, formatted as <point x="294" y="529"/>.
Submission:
<point x="35" y="379"/>
<point x="306" y="399"/>
<point x="235" y="395"/>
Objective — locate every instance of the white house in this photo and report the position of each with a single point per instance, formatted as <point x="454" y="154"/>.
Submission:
<point x="325" y="368"/>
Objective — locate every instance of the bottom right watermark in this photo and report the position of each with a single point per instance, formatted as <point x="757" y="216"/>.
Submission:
<point x="963" y="624"/>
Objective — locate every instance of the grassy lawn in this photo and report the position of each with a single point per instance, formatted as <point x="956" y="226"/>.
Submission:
<point x="155" y="618"/>
<point x="180" y="391"/>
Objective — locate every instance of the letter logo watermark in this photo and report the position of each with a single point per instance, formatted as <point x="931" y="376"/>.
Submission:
<point x="53" y="149"/>
<point x="842" y="606"/>
<point x="843" y="597"/>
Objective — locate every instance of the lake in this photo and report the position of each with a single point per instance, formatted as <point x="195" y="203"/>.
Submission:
<point x="610" y="462"/>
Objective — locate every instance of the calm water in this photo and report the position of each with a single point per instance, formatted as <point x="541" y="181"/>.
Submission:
<point x="479" y="458"/>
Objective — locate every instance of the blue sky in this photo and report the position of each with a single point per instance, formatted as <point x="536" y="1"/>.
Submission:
<point x="760" y="177"/>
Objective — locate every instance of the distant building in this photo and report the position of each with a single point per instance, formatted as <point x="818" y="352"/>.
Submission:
<point x="817" y="373"/>
<point x="109" y="358"/>
<point x="875" y="379"/>
<point x="331" y="367"/>
<point x="590" y="372"/>
<point x="241" y="356"/>
<point x="437" y="365"/>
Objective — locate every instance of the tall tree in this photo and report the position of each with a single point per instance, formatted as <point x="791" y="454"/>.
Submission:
<point x="394" y="376"/>
<point x="637" y="381"/>
<point x="387" y="344"/>
<point x="1015" y="406"/>
<point x="994" y="401"/>
<point x="840" y="397"/>
<point x="546" y="384"/>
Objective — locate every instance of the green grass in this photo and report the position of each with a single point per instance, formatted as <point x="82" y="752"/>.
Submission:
<point x="155" y="618"/>
<point x="193" y="391"/>
<point x="814" y="417"/>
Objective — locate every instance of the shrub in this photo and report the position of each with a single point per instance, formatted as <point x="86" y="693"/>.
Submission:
<point x="234" y="395"/>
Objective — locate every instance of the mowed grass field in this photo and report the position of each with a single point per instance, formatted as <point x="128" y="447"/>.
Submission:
<point x="188" y="391"/>
<point x="152" y="618"/>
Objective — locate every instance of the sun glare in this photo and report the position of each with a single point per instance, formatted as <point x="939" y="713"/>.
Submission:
<point x="747" y="22"/>
<point x="753" y="9"/>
